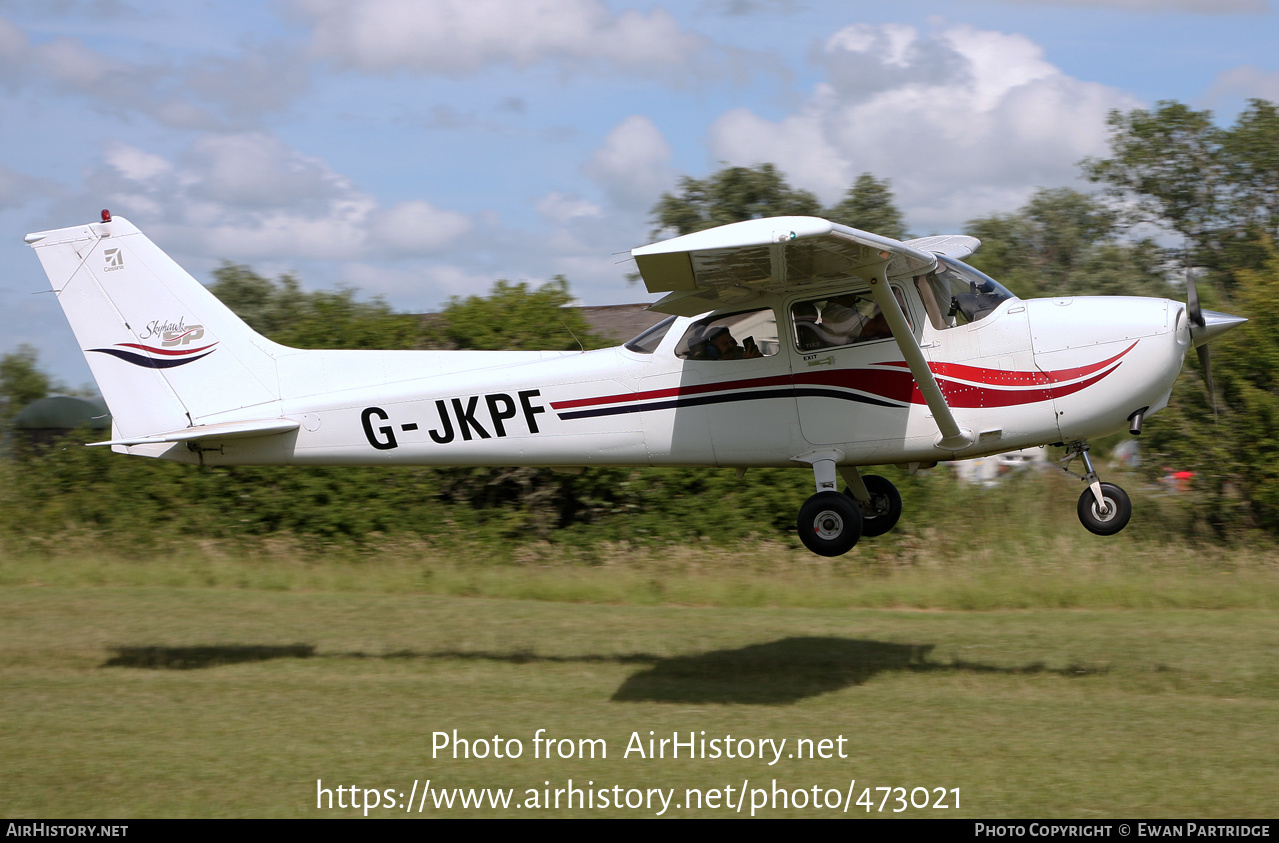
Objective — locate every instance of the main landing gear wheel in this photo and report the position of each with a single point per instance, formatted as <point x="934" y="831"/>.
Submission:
<point x="1108" y="521"/>
<point x="829" y="523"/>
<point x="885" y="507"/>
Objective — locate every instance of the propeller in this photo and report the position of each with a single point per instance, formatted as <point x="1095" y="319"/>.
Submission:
<point x="1197" y="327"/>
<point x="1204" y="325"/>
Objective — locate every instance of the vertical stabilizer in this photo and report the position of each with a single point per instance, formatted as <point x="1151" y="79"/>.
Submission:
<point x="165" y="352"/>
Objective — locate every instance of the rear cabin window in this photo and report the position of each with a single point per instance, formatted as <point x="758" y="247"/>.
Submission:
<point x="841" y="320"/>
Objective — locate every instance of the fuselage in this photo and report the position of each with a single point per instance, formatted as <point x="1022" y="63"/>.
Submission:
<point x="823" y="341"/>
<point x="1030" y="372"/>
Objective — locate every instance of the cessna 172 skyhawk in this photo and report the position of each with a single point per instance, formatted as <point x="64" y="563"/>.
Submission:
<point x="791" y="341"/>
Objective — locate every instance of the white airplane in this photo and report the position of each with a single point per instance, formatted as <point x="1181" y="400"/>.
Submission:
<point x="791" y="341"/>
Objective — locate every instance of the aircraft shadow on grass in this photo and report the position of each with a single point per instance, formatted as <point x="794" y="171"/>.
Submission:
<point x="786" y="671"/>
<point x="194" y="658"/>
<point x="775" y="673"/>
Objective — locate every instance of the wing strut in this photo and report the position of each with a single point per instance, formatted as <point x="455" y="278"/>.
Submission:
<point x="953" y="437"/>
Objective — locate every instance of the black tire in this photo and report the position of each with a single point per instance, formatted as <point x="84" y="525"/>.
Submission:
<point x="884" y="509"/>
<point x="1118" y="510"/>
<point x="829" y="524"/>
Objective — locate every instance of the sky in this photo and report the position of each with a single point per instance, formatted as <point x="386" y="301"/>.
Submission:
<point x="422" y="149"/>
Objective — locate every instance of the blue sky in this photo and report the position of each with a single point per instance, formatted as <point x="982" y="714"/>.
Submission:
<point x="421" y="149"/>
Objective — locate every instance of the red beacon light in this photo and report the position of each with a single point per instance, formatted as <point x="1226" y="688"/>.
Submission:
<point x="106" y="215"/>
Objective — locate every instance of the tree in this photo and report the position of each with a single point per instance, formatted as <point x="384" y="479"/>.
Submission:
<point x="282" y="311"/>
<point x="21" y="381"/>
<point x="1251" y="150"/>
<point x="734" y="194"/>
<point x="869" y="205"/>
<point x="1063" y="242"/>
<point x="1218" y="188"/>
<point x="731" y="195"/>
<point x="512" y="316"/>
<point x="1167" y="163"/>
<point x="1234" y="460"/>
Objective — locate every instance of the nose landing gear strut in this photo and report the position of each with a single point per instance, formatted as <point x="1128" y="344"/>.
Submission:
<point x="1104" y="508"/>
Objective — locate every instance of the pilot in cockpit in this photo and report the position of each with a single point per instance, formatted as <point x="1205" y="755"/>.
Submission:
<point x="720" y="345"/>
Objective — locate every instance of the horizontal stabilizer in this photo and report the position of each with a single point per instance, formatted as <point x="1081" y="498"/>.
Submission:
<point x="224" y="430"/>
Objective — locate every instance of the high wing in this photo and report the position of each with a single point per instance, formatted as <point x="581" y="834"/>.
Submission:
<point x="732" y="264"/>
<point x="957" y="246"/>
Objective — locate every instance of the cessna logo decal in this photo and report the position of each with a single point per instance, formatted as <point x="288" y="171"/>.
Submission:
<point x="115" y="260"/>
<point x="472" y="417"/>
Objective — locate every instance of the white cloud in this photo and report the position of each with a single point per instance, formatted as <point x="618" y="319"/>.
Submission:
<point x="417" y="227"/>
<point x="337" y="236"/>
<point x="561" y="207"/>
<point x="633" y="164"/>
<point x="800" y="145"/>
<point x="959" y="120"/>
<point x="212" y="92"/>
<point x="257" y="81"/>
<point x="1246" y="81"/>
<point x="459" y="37"/>
<point x="257" y="170"/>
<point x="249" y="196"/>
<point x="13" y="42"/>
<point x="135" y="164"/>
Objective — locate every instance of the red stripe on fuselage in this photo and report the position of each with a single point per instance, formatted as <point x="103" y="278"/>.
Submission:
<point x="897" y="384"/>
<point x="998" y="377"/>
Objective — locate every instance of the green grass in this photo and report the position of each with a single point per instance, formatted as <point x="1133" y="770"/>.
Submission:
<point x="232" y="694"/>
<point x="1069" y="571"/>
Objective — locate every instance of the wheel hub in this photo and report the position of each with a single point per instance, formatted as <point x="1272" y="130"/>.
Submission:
<point x="828" y="525"/>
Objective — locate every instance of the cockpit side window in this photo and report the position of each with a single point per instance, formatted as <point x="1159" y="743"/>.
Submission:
<point x="840" y="320"/>
<point x="957" y="294"/>
<point x="733" y="336"/>
<point x="650" y="338"/>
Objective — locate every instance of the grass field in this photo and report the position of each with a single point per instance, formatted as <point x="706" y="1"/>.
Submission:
<point x="231" y="687"/>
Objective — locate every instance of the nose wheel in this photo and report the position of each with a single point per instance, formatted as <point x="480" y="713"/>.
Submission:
<point x="1108" y="517"/>
<point x="1104" y="508"/>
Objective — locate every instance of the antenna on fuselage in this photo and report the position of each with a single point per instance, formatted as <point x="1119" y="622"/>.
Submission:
<point x="573" y="335"/>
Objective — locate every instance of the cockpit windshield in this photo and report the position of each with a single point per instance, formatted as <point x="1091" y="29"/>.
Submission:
<point x="957" y="294"/>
